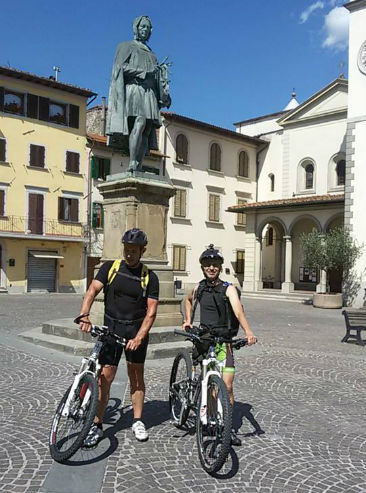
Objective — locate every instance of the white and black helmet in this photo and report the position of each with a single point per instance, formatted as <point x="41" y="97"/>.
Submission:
<point x="212" y="253"/>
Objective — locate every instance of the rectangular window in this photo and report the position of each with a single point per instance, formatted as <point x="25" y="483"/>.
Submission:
<point x="37" y="156"/>
<point x="72" y="162"/>
<point x="240" y="256"/>
<point x="57" y="113"/>
<point x="13" y="102"/>
<point x="68" y="209"/>
<point x="180" y="201"/>
<point x="179" y="257"/>
<point x="40" y="108"/>
<point x="100" y="167"/>
<point x="2" y="150"/>
<point x="2" y="202"/>
<point x="214" y="207"/>
<point x="241" y="219"/>
<point x="97" y="215"/>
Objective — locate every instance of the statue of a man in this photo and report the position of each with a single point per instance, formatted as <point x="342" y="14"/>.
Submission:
<point x="139" y="88"/>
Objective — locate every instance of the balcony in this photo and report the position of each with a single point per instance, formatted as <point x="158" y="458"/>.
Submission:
<point x="38" y="228"/>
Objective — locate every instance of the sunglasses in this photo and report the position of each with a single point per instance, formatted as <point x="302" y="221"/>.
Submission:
<point x="208" y="262"/>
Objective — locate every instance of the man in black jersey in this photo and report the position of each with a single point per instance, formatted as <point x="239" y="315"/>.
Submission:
<point x="129" y="309"/>
<point x="210" y="291"/>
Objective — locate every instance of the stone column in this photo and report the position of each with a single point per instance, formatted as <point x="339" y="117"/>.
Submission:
<point x="140" y="202"/>
<point x="258" y="264"/>
<point x="288" y="285"/>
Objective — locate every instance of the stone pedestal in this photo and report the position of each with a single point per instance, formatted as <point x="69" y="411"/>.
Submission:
<point x="137" y="201"/>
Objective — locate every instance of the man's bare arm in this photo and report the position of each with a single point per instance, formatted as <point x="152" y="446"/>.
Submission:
<point x="238" y="309"/>
<point x="152" y="308"/>
<point x="93" y="290"/>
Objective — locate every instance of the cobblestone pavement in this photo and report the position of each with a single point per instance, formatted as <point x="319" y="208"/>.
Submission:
<point x="300" y="412"/>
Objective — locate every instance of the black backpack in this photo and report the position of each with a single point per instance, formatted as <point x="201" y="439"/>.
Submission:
<point x="230" y="324"/>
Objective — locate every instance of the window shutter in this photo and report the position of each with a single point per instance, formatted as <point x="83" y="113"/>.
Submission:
<point x="61" y="208"/>
<point x="44" y="109"/>
<point x="183" y="203"/>
<point x="2" y="202"/>
<point x="2" y="149"/>
<point x="32" y="106"/>
<point x="211" y="208"/>
<point x="176" y="203"/>
<point x="94" y="167"/>
<point x="41" y="155"/>
<point x="182" y="258"/>
<point x="1" y="99"/>
<point x="73" y="116"/>
<point x="217" y="208"/>
<point x="33" y="155"/>
<point x="74" y="210"/>
<point x="107" y="168"/>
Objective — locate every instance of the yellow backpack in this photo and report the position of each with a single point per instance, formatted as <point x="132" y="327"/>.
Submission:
<point x="145" y="276"/>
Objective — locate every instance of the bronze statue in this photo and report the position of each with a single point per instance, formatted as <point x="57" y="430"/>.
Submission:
<point x="139" y="88"/>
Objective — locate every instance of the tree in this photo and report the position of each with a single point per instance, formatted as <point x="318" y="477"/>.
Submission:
<point x="334" y="250"/>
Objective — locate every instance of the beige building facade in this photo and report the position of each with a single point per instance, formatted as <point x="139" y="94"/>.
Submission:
<point x="43" y="165"/>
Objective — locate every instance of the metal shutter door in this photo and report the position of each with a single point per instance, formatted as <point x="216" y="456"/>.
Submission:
<point x="41" y="274"/>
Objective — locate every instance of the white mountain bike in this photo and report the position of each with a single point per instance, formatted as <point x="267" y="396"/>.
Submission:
<point x="206" y="394"/>
<point x="76" y="411"/>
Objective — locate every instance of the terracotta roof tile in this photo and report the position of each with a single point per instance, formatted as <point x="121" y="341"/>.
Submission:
<point x="45" y="81"/>
<point x="293" y="201"/>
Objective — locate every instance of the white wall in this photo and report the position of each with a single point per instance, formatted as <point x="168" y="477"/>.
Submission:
<point x="195" y="231"/>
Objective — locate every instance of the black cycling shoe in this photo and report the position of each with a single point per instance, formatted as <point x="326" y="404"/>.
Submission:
<point x="234" y="439"/>
<point x="93" y="437"/>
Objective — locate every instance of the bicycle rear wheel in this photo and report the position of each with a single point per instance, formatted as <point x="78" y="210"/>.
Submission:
<point x="67" y="433"/>
<point x="214" y="438"/>
<point x="180" y="378"/>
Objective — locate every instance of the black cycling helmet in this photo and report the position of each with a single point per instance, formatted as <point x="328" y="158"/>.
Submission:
<point x="135" y="236"/>
<point x="211" y="253"/>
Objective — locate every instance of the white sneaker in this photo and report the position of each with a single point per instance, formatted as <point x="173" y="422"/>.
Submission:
<point x="139" y="431"/>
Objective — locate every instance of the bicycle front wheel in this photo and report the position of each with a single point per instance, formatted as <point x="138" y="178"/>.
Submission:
<point x="69" y="432"/>
<point x="179" y="386"/>
<point x="214" y="437"/>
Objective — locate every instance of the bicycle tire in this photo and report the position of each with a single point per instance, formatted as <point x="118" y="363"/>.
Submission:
<point x="184" y="373"/>
<point x="56" y="443"/>
<point x="214" y="439"/>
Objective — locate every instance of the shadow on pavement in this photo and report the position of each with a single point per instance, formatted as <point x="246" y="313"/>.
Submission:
<point x="243" y="410"/>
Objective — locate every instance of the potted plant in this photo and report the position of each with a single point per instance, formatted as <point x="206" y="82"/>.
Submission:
<point x="334" y="250"/>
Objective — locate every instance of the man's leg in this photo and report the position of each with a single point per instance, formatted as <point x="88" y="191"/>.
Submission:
<point x="229" y="380"/>
<point x="137" y="387"/>
<point x="106" y="378"/>
<point x="135" y="141"/>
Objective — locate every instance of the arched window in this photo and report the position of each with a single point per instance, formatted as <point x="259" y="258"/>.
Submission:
<point x="243" y="169"/>
<point x="341" y="172"/>
<point x="271" y="182"/>
<point x="309" y="176"/>
<point x="181" y="146"/>
<point x="215" y="157"/>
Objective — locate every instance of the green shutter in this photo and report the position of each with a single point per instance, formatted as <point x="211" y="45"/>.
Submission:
<point x="102" y="216"/>
<point x="94" y="167"/>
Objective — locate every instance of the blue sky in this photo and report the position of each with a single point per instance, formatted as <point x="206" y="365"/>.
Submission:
<point x="232" y="59"/>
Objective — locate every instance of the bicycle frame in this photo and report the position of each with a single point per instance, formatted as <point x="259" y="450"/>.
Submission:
<point x="85" y="367"/>
<point x="205" y="377"/>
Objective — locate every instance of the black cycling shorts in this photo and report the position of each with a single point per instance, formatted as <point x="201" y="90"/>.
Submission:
<point x="111" y="352"/>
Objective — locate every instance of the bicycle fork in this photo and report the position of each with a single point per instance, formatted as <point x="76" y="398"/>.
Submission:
<point x="203" y="403"/>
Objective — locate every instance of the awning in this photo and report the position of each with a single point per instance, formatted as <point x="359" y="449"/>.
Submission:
<point x="46" y="255"/>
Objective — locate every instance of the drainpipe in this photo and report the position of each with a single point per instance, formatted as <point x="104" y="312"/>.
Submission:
<point x="104" y="115"/>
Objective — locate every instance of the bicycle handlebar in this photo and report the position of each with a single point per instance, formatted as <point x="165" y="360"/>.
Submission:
<point x="236" y="343"/>
<point x="103" y="330"/>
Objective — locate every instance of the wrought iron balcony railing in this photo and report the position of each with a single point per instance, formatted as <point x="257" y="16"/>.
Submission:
<point x="20" y="225"/>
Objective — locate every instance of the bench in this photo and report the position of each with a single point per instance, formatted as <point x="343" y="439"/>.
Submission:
<point x="355" y="321"/>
